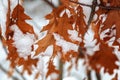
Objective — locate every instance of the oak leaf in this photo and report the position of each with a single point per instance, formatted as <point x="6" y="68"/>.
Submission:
<point x="51" y="69"/>
<point x="18" y="17"/>
<point x="104" y="58"/>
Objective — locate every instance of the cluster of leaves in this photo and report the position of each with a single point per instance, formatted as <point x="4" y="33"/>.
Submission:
<point x="62" y="20"/>
<point x="109" y="25"/>
<point x="17" y="17"/>
<point x="69" y="16"/>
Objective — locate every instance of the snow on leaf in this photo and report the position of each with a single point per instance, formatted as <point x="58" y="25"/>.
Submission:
<point x="16" y="19"/>
<point x="22" y="42"/>
<point x="51" y="69"/>
<point x="60" y="26"/>
<point x="61" y="22"/>
<point x="112" y="18"/>
<point x="104" y="58"/>
<point x="80" y="25"/>
<point x="27" y="64"/>
<point x="19" y="17"/>
<point x="107" y="24"/>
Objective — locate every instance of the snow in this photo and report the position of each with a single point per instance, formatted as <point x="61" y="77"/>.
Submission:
<point x="86" y="1"/>
<point x="74" y="35"/>
<point x="38" y="10"/>
<point x="54" y="76"/>
<point x="106" y="76"/>
<point x="3" y="12"/>
<point x="23" y="42"/>
<point x="70" y="78"/>
<point x="2" y="52"/>
<point x="90" y="43"/>
<point x="13" y="4"/>
<point x="79" y="73"/>
<point x="66" y="46"/>
<point x="93" y="74"/>
<point x="86" y="10"/>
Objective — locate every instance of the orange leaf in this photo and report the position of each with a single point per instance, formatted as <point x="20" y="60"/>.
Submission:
<point x="104" y="58"/>
<point x="19" y="18"/>
<point x="51" y="69"/>
<point x="44" y="43"/>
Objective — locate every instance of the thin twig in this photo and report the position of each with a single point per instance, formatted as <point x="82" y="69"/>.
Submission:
<point x="92" y="12"/>
<point x="20" y="74"/>
<point x="50" y="3"/>
<point x="98" y="5"/>
<point x="108" y="7"/>
<point x="81" y="3"/>
<point x="5" y="71"/>
<point x="93" y="6"/>
<point x="61" y="70"/>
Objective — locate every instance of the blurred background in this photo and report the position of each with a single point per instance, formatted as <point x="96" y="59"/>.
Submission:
<point x="37" y="9"/>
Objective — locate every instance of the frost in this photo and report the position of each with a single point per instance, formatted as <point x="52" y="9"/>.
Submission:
<point x="23" y="42"/>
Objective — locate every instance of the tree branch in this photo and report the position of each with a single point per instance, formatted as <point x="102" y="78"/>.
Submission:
<point x="92" y="11"/>
<point x="87" y="5"/>
<point x="98" y="5"/>
<point x="61" y="70"/>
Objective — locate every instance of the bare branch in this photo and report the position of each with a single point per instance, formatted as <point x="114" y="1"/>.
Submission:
<point x="92" y="12"/>
<point x="81" y="3"/>
<point x="61" y="70"/>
